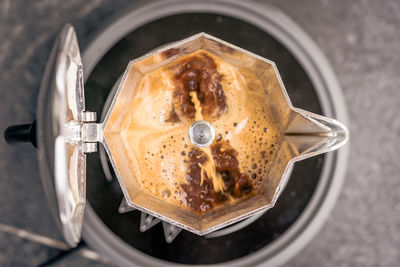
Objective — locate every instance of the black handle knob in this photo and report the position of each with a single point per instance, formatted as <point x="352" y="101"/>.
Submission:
<point x="22" y="133"/>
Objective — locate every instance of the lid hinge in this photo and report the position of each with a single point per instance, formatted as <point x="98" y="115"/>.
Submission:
<point x="86" y="133"/>
<point x="92" y="132"/>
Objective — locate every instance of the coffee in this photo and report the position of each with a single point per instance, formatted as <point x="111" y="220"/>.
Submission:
<point x="155" y="133"/>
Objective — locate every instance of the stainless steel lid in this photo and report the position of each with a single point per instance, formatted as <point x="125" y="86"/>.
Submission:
<point x="61" y="116"/>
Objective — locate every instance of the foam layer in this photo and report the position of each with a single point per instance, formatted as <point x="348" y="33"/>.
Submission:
<point x="156" y="127"/>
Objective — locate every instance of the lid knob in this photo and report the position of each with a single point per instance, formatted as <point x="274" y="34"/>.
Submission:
<point x="201" y="133"/>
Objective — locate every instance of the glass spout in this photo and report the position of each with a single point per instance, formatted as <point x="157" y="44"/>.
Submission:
<point x="309" y="134"/>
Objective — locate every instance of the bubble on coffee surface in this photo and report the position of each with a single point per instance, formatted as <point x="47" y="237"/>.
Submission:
<point x="157" y="142"/>
<point x="166" y="193"/>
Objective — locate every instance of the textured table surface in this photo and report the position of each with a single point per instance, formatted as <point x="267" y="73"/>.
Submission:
<point x="360" y="38"/>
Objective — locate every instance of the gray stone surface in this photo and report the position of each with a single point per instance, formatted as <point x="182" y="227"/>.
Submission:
<point x="360" y="38"/>
<point x="15" y="251"/>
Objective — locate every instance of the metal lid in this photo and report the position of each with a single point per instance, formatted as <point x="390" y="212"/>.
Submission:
<point x="60" y="118"/>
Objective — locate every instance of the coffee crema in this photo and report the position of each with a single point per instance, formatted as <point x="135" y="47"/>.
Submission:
<point x="155" y="133"/>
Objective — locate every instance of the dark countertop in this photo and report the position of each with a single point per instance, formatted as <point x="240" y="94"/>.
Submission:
<point x="360" y="38"/>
